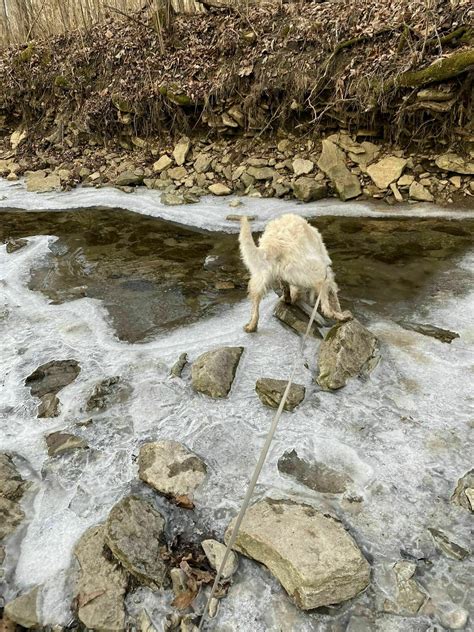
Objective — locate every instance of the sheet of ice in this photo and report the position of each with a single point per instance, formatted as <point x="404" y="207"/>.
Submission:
<point x="401" y="435"/>
<point x="211" y="212"/>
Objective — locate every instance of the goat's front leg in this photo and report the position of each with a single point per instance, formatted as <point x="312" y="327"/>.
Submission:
<point x="257" y="290"/>
<point x="330" y="306"/>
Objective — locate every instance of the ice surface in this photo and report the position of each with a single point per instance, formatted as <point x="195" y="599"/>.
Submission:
<point x="401" y="434"/>
<point x="211" y="212"/>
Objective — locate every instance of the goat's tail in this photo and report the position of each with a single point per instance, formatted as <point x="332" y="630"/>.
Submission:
<point x="251" y="255"/>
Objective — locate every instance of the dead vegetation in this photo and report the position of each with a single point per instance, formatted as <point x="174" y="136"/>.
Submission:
<point x="400" y="69"/>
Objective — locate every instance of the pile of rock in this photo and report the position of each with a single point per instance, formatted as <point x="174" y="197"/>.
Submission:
<point x="339" y="165"/>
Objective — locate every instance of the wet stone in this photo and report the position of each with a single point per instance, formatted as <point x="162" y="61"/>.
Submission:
<point x="464" y="493"/>
<point x="101" y="586"/>
<point x="106" y="393"/>
<point x="317" y="476"/>
<point x="61" y="442"/>
<point x="12" y="485"/>
<point x="447" y="546"/>
<point x="409" y="598"/>
<point x="170" y="468"/>
<point x="271" y="391"/>
<point x="215" y="552"/>
<point x="52" y="377"/>
<point x="295" y="318"/>
<point x="13" y="245"/>
<point x="444" y="335"/>
<point x="11" y="515"/>
<point x="49" y="406"/>
<point x="24" y="609"/>
<point x="213" y="372"/>
<point x="134" y="532"/>
<point x="179" y="365"/>
<point x="315" y="559"/>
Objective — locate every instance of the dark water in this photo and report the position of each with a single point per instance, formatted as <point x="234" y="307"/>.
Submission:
<point x="152" y="275"/>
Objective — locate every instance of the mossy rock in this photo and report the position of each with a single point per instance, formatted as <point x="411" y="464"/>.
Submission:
<point x="27" y="53"/>
<point x="173" y="94"/>
<point x="122" y="104"/>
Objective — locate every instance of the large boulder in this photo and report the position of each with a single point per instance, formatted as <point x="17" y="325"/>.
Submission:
<point x="271" y="391"/>
<point x="170" y="468"/>
<point x="213" y="372"/>
<point x="332" y="162"/>
<point x="387" y="170"/>
<point x="455" y="163"/>
<point x="349" y="350"/>
<point x="316" y="475"/>
<point x="308" y="189"/>
<point x="101" y="586"/>
<point x="463" y="495"/>
<point x="134" y="532"/>
<point x="311" y="554"/>
<point x="24" y="609"/>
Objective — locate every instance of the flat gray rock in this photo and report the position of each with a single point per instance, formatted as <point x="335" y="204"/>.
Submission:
<point x="49" y="406"/>
<point x="108" y="392"/>
<point x="311" y="554"/>
<point x="213" y="372"/>
<point x="61" y="442"/>
<point x="101" y="586"/>
<point x="170" y="468"/>
<point x="349" y="350"/>
<point x="295" y="318"/>
<point x="409" y="597"/>
<point x="317" y="476"/>
<point x="134" y="532"/>
<point x="444" y="335"/>
<point x="271" y="391"/>
<point x="52" y="377"/>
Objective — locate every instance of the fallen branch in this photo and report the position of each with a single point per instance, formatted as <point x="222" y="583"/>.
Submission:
<point x="459" y="35"/>
<point x="440" y="70"/>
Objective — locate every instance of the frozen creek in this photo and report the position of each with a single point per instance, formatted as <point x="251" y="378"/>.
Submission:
<point x="402" y="435"/>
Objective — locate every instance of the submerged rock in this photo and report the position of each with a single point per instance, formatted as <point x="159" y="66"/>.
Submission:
<point x="52" y="377"/>
<point x="134" y="532"/>
<point x="101" y="585"/>
<point x="271" y="391"/>
<point x="444" y="335"/>
<point x="447" y="546"/>
<point x="295" y="318"/>
<point x="170" y="468"/>
<point x="24" y="609"/>
<point x="386" y="171"/>
<point x="317" y="476"/>
<point x="60" y="442"/>
<point x="308" y="190"/>
<point x="13" y="245"/>
<point x="463" y="495"/>
<point x="179" y="365"/>
<point x="315" y="559"/>
<point x="409" y="598"/>
<point x="49" y="406"/>
<point x="215" y="552"/>
<point x="349" y="350"/>
<point x="332" y="162"/>
<point x="107" y="392"/>
<point x="213" y="372"/>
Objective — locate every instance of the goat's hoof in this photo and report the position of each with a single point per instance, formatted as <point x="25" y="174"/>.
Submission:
<point x="250" y="329"/>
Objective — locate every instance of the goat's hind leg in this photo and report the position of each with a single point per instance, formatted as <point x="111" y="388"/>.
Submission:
<point x="330" y="306"/>
<point x="257" y="289"/>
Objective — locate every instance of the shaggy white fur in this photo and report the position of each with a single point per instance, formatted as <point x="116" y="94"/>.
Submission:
<point x="290" y="252"/>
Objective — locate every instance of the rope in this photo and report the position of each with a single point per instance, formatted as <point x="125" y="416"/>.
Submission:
<point x="261" y="461"/>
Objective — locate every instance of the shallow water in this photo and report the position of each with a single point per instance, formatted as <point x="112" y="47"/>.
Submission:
<point x="402" y="435"/>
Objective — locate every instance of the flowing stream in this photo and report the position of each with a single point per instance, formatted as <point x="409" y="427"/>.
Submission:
<point x="125" y="293"/>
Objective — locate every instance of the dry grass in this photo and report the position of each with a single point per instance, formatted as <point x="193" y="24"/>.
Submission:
<point x="22" y="20"/>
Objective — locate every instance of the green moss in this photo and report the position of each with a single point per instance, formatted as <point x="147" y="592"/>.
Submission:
<point x="122" y="104"/>
<point x="62" y="82"/>
<point x="27" y="53"/>
<point x="440" y="70"/>
<point x="173" y="94"/>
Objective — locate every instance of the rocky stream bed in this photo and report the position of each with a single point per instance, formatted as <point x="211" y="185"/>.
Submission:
<point x="133" y="407"/>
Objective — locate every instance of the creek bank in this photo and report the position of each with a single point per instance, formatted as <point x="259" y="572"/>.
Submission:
<point x="338" y="165"/>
